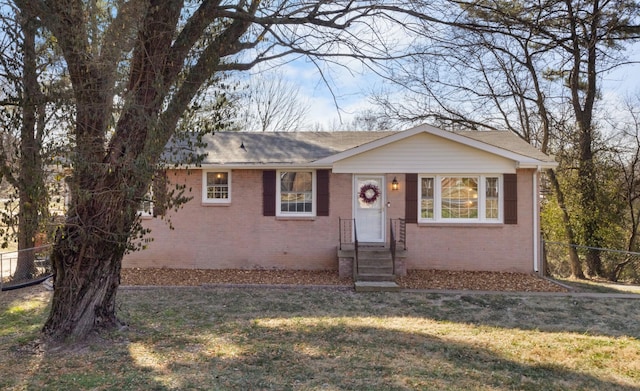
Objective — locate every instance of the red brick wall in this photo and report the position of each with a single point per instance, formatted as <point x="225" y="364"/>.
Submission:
<point x="239" y="236"/>
<point x="474" y="246"/>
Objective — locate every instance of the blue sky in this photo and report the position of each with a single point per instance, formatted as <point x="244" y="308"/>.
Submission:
<point x="343" y="91"/>
<point x="352" y="84"/>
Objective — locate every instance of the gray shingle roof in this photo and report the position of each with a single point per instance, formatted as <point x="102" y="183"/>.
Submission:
<point x="279" y="148"/>
<point x="508" y="141"/>
<point x="292" y="148"/>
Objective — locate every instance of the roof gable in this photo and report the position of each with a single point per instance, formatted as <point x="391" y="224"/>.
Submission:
<point x="424" y="153"/>
<point x="500" y="143"/>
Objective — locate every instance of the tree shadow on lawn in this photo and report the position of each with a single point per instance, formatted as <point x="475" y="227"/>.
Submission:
<point x="590" y="316"/>
<point x="297" y="339"/>
<point x="583" y="315"/>
<point x="294" y="354"/>
<point x="262" y="339"/>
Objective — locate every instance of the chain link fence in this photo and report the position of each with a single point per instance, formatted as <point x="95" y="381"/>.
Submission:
<point x="621" y="264"/>
<point x="26" y="267"/>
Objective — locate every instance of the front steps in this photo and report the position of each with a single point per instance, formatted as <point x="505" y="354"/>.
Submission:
<point x="374" y="264"/>
<point x="375" y="270"/>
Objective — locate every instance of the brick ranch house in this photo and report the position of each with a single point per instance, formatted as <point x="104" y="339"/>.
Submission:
<point x="455" y="201"/>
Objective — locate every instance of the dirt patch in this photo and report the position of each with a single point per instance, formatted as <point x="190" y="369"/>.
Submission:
<point x="415" y="279"/>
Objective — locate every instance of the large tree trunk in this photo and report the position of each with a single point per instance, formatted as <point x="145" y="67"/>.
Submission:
<point x="32" y="193"/>
<point x="588" y="202"/>
<point x="85" y="294"/>
<point x="583" y="85"/>
<point x="87" y="259"/>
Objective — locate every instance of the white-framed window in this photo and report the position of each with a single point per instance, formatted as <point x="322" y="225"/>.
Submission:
<point x="296" y="193"/>
<point x="145" y="207"/>
<point x="216" y="186"/>
<point x="460" y="198"/>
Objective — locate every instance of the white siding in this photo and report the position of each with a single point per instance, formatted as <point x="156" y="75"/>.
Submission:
<point x="425" y="153"/>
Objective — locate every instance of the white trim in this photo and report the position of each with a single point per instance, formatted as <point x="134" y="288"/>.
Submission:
<point x="148" y="197"/>
<point x="146" y="215"/>
<point x="382" y="200"/>
<point x="536" y="234"/>
<point x="437" y="199"/>
<point x="213" y="201"/>
<point x="253" y="166"/>
<point x="314" y="192"/>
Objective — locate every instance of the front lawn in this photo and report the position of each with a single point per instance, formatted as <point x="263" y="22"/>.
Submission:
<point x="330" y="339"/>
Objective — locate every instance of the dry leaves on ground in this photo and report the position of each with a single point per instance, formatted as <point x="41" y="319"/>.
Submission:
<point x="415" y="279"/>
<point x="483" y="281"/>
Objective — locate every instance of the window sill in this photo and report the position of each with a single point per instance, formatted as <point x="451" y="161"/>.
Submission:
<point x="215" y="203"/>
<point x="297" y="218"/>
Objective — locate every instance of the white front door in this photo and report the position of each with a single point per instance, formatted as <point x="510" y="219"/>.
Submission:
<point x="369" y="210"/>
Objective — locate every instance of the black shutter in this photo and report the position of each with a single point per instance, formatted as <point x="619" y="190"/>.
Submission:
<point x="269" y="193"/>
<point x="159" y="188"/>
<point x="510" y="182"/>
<point x="411" y="198"/>
<point x="322" y="183"/>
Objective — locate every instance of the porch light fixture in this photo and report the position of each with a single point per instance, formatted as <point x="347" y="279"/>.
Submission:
<point x="394" y="184"/>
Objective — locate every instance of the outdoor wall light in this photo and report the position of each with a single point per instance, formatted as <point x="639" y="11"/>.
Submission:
<point x="394" y="184"/>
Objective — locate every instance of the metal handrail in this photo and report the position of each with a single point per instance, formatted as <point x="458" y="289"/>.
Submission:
<point x="349" y="236"/>
<point x="392" y="246"/>
<point x="345" y="232"/>
<point x="400" y="231"/>
<point x="355" y="249"/>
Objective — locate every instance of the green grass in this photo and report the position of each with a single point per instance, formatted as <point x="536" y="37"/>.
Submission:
<point x="278" y="339"/>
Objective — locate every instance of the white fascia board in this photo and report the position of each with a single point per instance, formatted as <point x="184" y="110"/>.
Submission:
<point x="536" y="164"/>
<point x="252" y="166"/>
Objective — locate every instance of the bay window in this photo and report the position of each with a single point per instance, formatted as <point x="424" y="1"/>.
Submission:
<point x="460" y="198"/>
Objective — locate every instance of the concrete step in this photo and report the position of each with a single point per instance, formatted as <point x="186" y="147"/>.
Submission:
<point x="388" y="269"/>
<point x="376" y="286"/>
<point x="378" y="254"/>
<point x="375" y="262"/>
<point x="375" y="276"/>
<point x="380" y="262"/>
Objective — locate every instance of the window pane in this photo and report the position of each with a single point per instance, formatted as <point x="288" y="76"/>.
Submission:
<point x="491" y="206"/>
<point x="426" y="201"/>
<point x="218" y="185"/>
<point x="459" y="197"/>
<point x="145" y="207"/>
<point x="296" y="192"/>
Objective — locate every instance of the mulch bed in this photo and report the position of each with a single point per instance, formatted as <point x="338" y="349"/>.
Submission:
<point x="415" y="279"/>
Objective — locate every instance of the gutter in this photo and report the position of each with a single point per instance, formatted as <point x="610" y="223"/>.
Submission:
<point x="249" y="166"/>
<point x="536" y="217"/>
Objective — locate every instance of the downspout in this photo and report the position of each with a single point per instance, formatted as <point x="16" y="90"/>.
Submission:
<point x="536" y="210"/>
